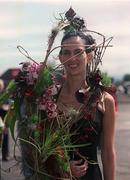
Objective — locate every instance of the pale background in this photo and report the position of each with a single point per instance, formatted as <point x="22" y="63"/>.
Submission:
<point x="29" y="22"/>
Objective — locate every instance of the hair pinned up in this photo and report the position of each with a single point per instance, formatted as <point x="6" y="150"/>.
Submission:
<point x="89" y="41"/>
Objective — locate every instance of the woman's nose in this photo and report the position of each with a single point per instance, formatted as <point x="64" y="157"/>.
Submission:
<point x="73" y="57"/>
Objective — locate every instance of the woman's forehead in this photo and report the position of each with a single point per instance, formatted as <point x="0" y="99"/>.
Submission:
<point x="75" y="41"/>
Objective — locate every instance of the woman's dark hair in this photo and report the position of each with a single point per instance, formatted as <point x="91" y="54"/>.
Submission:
<point x="87" y="38"/>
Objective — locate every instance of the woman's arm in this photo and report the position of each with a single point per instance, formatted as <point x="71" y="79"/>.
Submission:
<point x="107" y="139"/>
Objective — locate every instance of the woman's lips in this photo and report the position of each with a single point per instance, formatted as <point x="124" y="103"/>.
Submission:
<point x="73" y="65"/>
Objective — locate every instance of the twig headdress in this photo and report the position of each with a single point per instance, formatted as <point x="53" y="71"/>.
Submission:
<point x="69" y="22"/>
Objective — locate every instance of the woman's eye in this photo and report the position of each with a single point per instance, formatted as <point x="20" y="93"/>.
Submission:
<point x="66" y="53"/>
<point x="78" y="52"/>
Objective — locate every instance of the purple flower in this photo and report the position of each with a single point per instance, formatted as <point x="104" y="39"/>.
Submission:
<point x="70" y="14"/>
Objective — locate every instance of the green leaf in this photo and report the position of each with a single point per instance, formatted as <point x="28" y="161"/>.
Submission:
<point x="11" y="86"/>
<point x="28" y="142"/>
<point x="9" y="90"/>
<point x="10" y="120"/>
<point x="8" y="117"/>
<point x="34" y="118"/>
<point x="43" y="81"/>
<point x="4" y="97"/>
<point x="12" y="116"/>
<point x="106" y="80"/>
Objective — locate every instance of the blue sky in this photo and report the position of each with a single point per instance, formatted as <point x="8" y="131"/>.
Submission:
<point x="29" y="22"/>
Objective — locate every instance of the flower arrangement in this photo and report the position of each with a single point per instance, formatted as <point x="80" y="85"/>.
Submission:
<point x="42" y="130"/>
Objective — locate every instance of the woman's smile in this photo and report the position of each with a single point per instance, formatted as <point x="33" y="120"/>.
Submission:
<point x="73" y="66"/>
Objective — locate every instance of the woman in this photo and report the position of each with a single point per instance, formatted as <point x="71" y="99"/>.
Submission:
<point x="39" y="106"/>
<point x="76" y="58"/>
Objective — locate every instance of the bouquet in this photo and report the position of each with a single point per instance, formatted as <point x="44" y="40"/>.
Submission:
<point x="43" y="132"/>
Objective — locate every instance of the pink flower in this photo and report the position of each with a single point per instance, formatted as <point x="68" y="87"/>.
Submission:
<point x="55" y="80"/>
<point x="51" y="105"/>
<point x="29" y="79"/>
<point x="52" y="90"/>
<point x="42" y="107"/>
<point x="49" y="90"/>
<point x="33" y="70"/>
<point x="52" y="115"/>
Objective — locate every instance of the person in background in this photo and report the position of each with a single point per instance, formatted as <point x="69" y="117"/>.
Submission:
<point x="5" y="140"/>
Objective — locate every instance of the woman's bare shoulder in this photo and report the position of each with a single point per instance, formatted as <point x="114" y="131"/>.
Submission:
<point x="106" y="102"/>
<point x="108" y="99"/>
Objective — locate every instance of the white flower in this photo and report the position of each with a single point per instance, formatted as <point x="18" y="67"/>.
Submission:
<point x="1" y="123"/>
<point x="35" y="75"/>
<point x="54" y="90"/>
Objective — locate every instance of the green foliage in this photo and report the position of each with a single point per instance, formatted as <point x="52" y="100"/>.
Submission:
<point x="106" y="80"/>
<point x="9" y="90"/>
<point x="12" y="116"/>
<point x="43" y="81"/>
<point x="69" y="28"/>
<point x="11" y="86"/>
<point x="34" y="118"/>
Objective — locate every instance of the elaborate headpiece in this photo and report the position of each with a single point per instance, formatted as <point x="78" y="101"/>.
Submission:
<point x="70" y="22"/>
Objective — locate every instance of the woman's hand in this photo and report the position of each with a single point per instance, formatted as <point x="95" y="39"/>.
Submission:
<point x="78" y="169"/>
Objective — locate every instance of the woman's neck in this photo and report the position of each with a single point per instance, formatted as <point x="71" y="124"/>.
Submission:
<point x="74" y="83"/>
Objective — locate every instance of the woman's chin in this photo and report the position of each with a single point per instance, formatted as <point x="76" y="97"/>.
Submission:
<point x="74" y="72"/>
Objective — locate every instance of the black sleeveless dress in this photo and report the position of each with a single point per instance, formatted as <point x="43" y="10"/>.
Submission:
<point x="88" y="132"/>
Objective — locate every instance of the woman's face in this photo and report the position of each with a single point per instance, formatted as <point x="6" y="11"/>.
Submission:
<point x="73" y="50"/>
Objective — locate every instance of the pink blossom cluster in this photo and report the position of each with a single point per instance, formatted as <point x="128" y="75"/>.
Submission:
<point x="47" y="102"/>
<point x="32" y="73"/>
